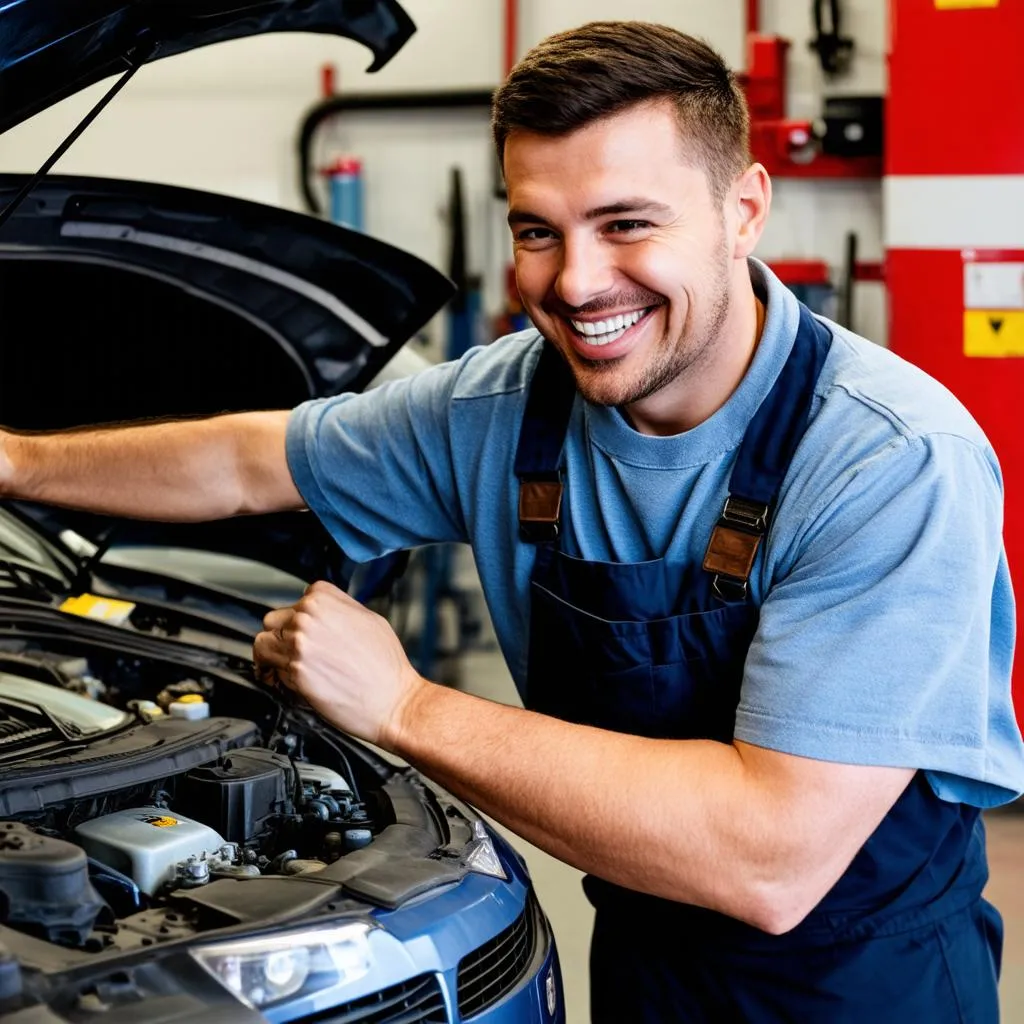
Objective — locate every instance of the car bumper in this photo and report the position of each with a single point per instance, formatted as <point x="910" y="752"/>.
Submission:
<point x="537" y="1000"/>
<point x="482" y="952"/>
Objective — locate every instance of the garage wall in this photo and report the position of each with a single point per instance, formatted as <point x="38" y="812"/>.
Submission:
<point x="225" y="119"/>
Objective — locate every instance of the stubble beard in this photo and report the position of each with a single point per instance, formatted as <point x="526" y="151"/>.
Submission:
<point x="597" y="381"/>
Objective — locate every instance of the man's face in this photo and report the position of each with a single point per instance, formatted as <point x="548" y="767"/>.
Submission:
<point x="623" y="258"/>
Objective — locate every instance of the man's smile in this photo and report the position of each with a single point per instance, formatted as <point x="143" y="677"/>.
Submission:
<point x="609" y="337"/>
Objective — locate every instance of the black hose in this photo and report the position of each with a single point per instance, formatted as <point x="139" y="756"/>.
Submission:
<point x="328" y="108"/>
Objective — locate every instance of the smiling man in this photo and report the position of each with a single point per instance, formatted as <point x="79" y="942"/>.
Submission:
<point x="642" y="294"/>
<point x="746" y="569"/>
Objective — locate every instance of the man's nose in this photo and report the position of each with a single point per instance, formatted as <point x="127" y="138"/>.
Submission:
<point x="585" y="273"/>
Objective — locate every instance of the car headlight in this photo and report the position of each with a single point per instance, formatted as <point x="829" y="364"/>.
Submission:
<point x="264" y="971"/>
<point x="481" y="856"/>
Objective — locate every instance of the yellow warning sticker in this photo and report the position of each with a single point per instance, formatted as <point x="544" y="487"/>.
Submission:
<point x="994" y="333"/>
<point x="160" y="821"/>
<point x="107" y="609"/>
<point x="953" y="5"/>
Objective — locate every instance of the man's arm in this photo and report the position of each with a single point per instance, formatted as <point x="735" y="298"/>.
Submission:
<point x="184" y="471"/>
<point x="752" y="833"/>
<point x="758" y="835"/>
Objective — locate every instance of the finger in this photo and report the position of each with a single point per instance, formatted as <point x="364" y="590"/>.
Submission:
<point x="278" y="618"/>
<point x="319" y="587"/>
<point x="301" y="622"/>
<point x="323" y="589"/>
<point x="269" y="649"/>
<point x="272" y="670"/>
<point x="267" y="672"/>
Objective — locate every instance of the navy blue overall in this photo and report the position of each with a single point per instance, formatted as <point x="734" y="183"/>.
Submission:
<point x="904" y="935"/>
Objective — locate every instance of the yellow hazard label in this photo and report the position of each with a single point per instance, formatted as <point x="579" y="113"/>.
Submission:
<point x="953" y="5"/>
<point x="160" y="821"/>
<point x="107" y="609"/>
<point x="994" y="333"/>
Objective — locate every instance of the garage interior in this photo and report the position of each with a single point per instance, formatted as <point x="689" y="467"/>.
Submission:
<point x="911" y="236"/>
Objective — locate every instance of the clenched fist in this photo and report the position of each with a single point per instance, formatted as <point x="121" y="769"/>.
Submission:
<point x="342" y="658"/>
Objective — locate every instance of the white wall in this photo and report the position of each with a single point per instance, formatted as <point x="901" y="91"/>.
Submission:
<point x="719" y="21"/>
<point x="225" y="119"/>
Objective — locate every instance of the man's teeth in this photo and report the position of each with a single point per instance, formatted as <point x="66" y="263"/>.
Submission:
<point x="603" y="332"/>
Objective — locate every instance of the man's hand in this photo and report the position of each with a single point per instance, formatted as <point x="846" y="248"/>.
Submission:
<point x="6" y="467"/>
<point x="343" y="659"/>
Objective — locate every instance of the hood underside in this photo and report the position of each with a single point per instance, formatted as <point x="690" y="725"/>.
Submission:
<point x="51" y="49"/>
<point x="123" y="300"/>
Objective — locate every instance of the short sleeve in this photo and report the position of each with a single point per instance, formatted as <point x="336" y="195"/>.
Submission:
<point x="888" y="638"/>
<point x="377" y="467"/>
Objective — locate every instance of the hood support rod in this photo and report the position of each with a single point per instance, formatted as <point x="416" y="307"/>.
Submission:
<point x="9" y="209"/>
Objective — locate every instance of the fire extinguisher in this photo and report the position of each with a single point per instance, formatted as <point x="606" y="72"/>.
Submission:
<point x="345" y="178"/>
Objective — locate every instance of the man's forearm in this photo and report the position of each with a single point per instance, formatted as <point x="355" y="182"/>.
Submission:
<point x="184" y="471"/>
<point x="756" y="833"/>
<point x="686" y="820"/>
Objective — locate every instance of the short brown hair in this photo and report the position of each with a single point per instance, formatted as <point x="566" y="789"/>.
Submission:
<point x="574" y="78"/>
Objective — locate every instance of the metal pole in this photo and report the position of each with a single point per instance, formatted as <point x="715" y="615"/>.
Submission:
<point x="9" y="209"/>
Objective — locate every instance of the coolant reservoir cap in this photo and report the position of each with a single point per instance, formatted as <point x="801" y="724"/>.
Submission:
<point x="192" y="709"/>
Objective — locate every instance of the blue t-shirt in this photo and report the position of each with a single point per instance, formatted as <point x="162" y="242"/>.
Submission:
<point x="887" y="618"/>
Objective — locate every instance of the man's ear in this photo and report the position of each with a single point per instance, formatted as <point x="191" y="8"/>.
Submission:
<point x="750" y="198"/>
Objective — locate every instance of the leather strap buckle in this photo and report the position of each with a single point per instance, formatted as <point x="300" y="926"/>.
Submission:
<point x="752" y="515"/>
<point x="540" y="510"/>
<point x="733" y="547"/>
<point x="729" y="590"/>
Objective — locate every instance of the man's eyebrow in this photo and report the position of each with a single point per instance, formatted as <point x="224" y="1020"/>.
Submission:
<point x="633" y="205"/>
<point x="524" y="217"/>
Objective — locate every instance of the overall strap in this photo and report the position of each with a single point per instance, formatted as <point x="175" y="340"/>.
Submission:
<point x="545" y="421"/>
<point x="764" y="457"/>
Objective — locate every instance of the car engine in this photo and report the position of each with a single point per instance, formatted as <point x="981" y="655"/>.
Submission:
<point x="110" y="833"/>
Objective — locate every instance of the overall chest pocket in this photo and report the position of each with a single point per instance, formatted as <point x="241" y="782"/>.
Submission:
<point x="674" y="677"/>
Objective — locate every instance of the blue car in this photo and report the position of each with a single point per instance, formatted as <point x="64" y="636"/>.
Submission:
<point x="176" y="845"/>
<point x="177" y="842"/>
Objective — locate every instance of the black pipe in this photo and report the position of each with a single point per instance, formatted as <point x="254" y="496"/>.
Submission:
<point x="448" y="100"/>
<point x="846" y="310"/>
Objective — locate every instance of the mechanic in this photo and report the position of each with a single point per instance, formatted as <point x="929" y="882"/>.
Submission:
<point x="746" y="569"/>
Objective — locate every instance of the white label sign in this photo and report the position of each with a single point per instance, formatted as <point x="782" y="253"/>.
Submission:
<point x="994" y="286"/>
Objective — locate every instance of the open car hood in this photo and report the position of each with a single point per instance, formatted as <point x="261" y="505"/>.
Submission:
<point x="127" y="300"/>
<point x="50" y="49"/>
<point x="123" y="300"/>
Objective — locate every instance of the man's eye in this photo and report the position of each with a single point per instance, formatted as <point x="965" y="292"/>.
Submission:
<point x="533" y="234"/>
<point x="626" y="226"/>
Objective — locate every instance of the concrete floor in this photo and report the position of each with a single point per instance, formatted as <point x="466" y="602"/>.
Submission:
<point x="571" y="915"/>
<point x="1006" y="891"/>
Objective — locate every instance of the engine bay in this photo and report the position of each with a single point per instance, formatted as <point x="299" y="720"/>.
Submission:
<point x="140" y="799"/>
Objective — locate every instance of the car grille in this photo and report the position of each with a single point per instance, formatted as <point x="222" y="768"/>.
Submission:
<point x="492" y="971"/>
<point x="417" y="1001"/>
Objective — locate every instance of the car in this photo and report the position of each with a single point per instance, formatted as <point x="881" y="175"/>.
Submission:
<point x="177" y="841"/>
